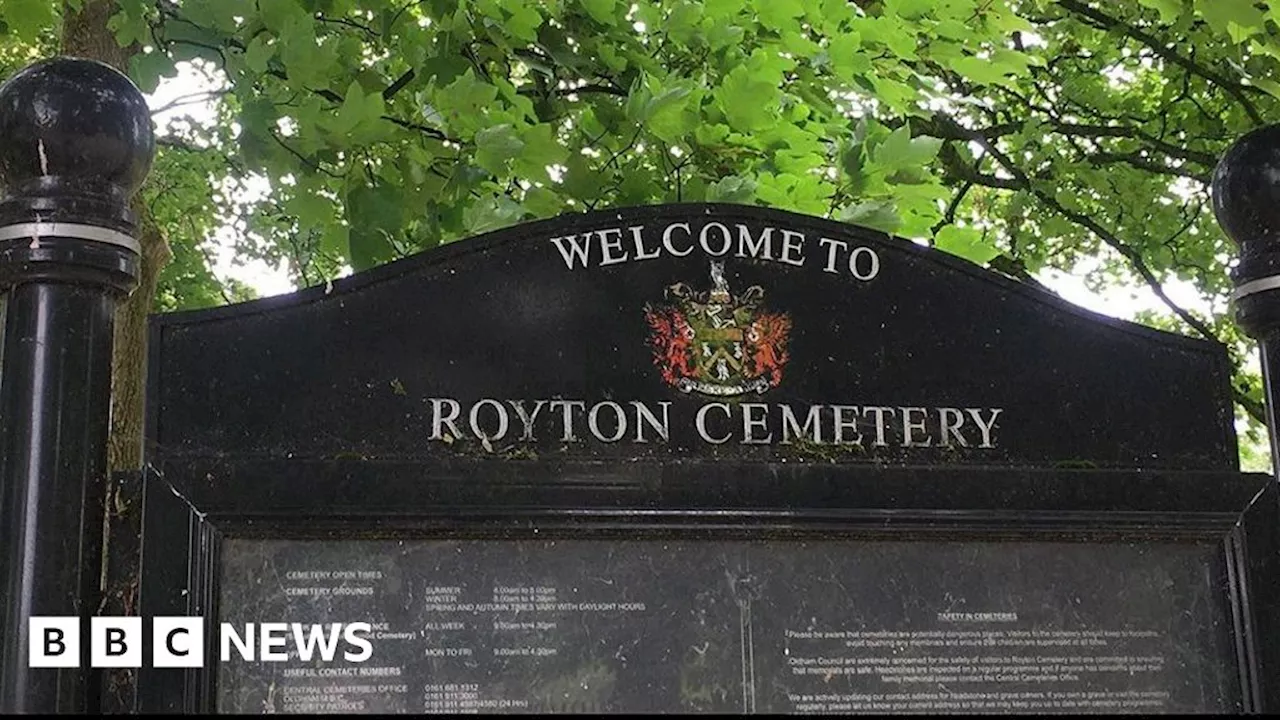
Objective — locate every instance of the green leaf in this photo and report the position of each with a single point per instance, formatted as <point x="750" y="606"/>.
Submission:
<point x="638" y="97"/>
<point x="733" y="189"/>
<point x="464" y="103"/>
<point x="847" y="58"/>
<point x="611" y="59"/>
<point x="724" y="9"/>
<point x="875" y="214"/>
<point x="277" y="14"/>
<point x="682" y="23"/>
<point x="602" y="11"/>
<point x="303" y="58"/>
<point x="967" y="243"/>
<point x="375" y="216"/>
<point x="979" y="70"/>
<point x="747" y="100"/>
<point x="147" y="69"/>
<point x="1170" y="10"/>
<point x="669" y="99"/>
<point x="779" y="15"/>
<point x="352" y="110"/>
<point x="891" y="32"/>
<point x="1222" y="14"/>
<point x="1270" y="86"/>
<point x="581" y="180"/>
<point x="851" y="160"/>
<point x="216" y="14"/>
<point x="897" y="146"/>
<point x="491" y="213"/>
<point x="541" y="149"/>
<point x="912" y="9"/>
<point x="496" y="146"/>
<point x="522" y="19"/>
<point x="335" y="240"/>
<point x="310" y="208"/>
<point x="710" y="133"/>
<point x="542" y="202"/>
<point x="129" y="25"/>
<point x="665" y="113"/>
<point x="28" y="18"/>
<point x="258" y="54"/>
<point x="723" y="35"/>
<point x="921" y="150"/>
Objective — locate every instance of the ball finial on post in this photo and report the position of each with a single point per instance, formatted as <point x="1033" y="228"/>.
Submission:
<point x="77" y="120"/>
<point x="75" y="143"/>
<point x="1246" y="201"/>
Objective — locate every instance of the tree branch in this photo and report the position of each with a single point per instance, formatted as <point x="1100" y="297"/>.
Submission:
<point x="190" y="98"/>
<point x="1016" y="269"/>
<point x="949" y="217"/>
<point x="949" y="129"/>
<point x="591" y="88"/>
<point x="1256" y="410"/>
<point x="347" y="22"/>
<point x="424" y="129"/>
<point x="1022" y="182"/>
<point x="956" y="165"/>
<point x="302" y="158"/>
<point x="1102" y="21"/>
<point x="1141" y="163"/>
<point x="399" y="84"/>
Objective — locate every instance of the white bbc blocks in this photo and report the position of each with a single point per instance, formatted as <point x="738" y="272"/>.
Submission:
<point x="179" y="642"/>
<point x="115" y="642"/>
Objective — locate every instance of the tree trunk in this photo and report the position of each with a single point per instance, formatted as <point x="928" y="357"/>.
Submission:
<point x="85" y="34"/>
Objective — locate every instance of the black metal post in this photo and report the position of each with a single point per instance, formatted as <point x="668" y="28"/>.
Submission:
<point x="75" y="143"/>
<point x="1246" y="200"/>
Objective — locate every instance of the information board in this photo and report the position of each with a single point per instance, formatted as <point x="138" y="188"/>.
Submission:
<point x="573" y="625"/>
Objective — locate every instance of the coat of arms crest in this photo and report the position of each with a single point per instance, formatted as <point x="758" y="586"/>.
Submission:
<point x="717" y="343"/>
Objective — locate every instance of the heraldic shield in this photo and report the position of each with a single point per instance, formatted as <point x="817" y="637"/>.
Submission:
<point x="717" y="343"/>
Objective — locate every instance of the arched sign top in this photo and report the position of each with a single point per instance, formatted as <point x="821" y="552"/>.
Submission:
<point x="687" y="331"/>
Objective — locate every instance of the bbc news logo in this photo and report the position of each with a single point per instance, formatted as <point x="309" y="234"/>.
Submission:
<point x="179" y="642"/>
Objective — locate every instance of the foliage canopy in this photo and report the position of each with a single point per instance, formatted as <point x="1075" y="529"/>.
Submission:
<point x="1024" y="135"/>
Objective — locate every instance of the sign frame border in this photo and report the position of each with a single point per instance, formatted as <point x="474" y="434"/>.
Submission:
<point x="187" y="521"/>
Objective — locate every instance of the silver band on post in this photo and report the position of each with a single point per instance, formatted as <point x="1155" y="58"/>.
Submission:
<point x="37" y="230"/>
<point x="1256" y="286"/>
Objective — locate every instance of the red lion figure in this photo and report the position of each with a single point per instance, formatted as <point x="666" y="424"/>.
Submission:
<point x="671" y="340"/>
<point x="768" y="336"/>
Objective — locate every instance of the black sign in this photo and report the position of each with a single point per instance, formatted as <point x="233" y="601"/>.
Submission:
<point x="688" y="331"/>
<point x="702" y="458"/>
